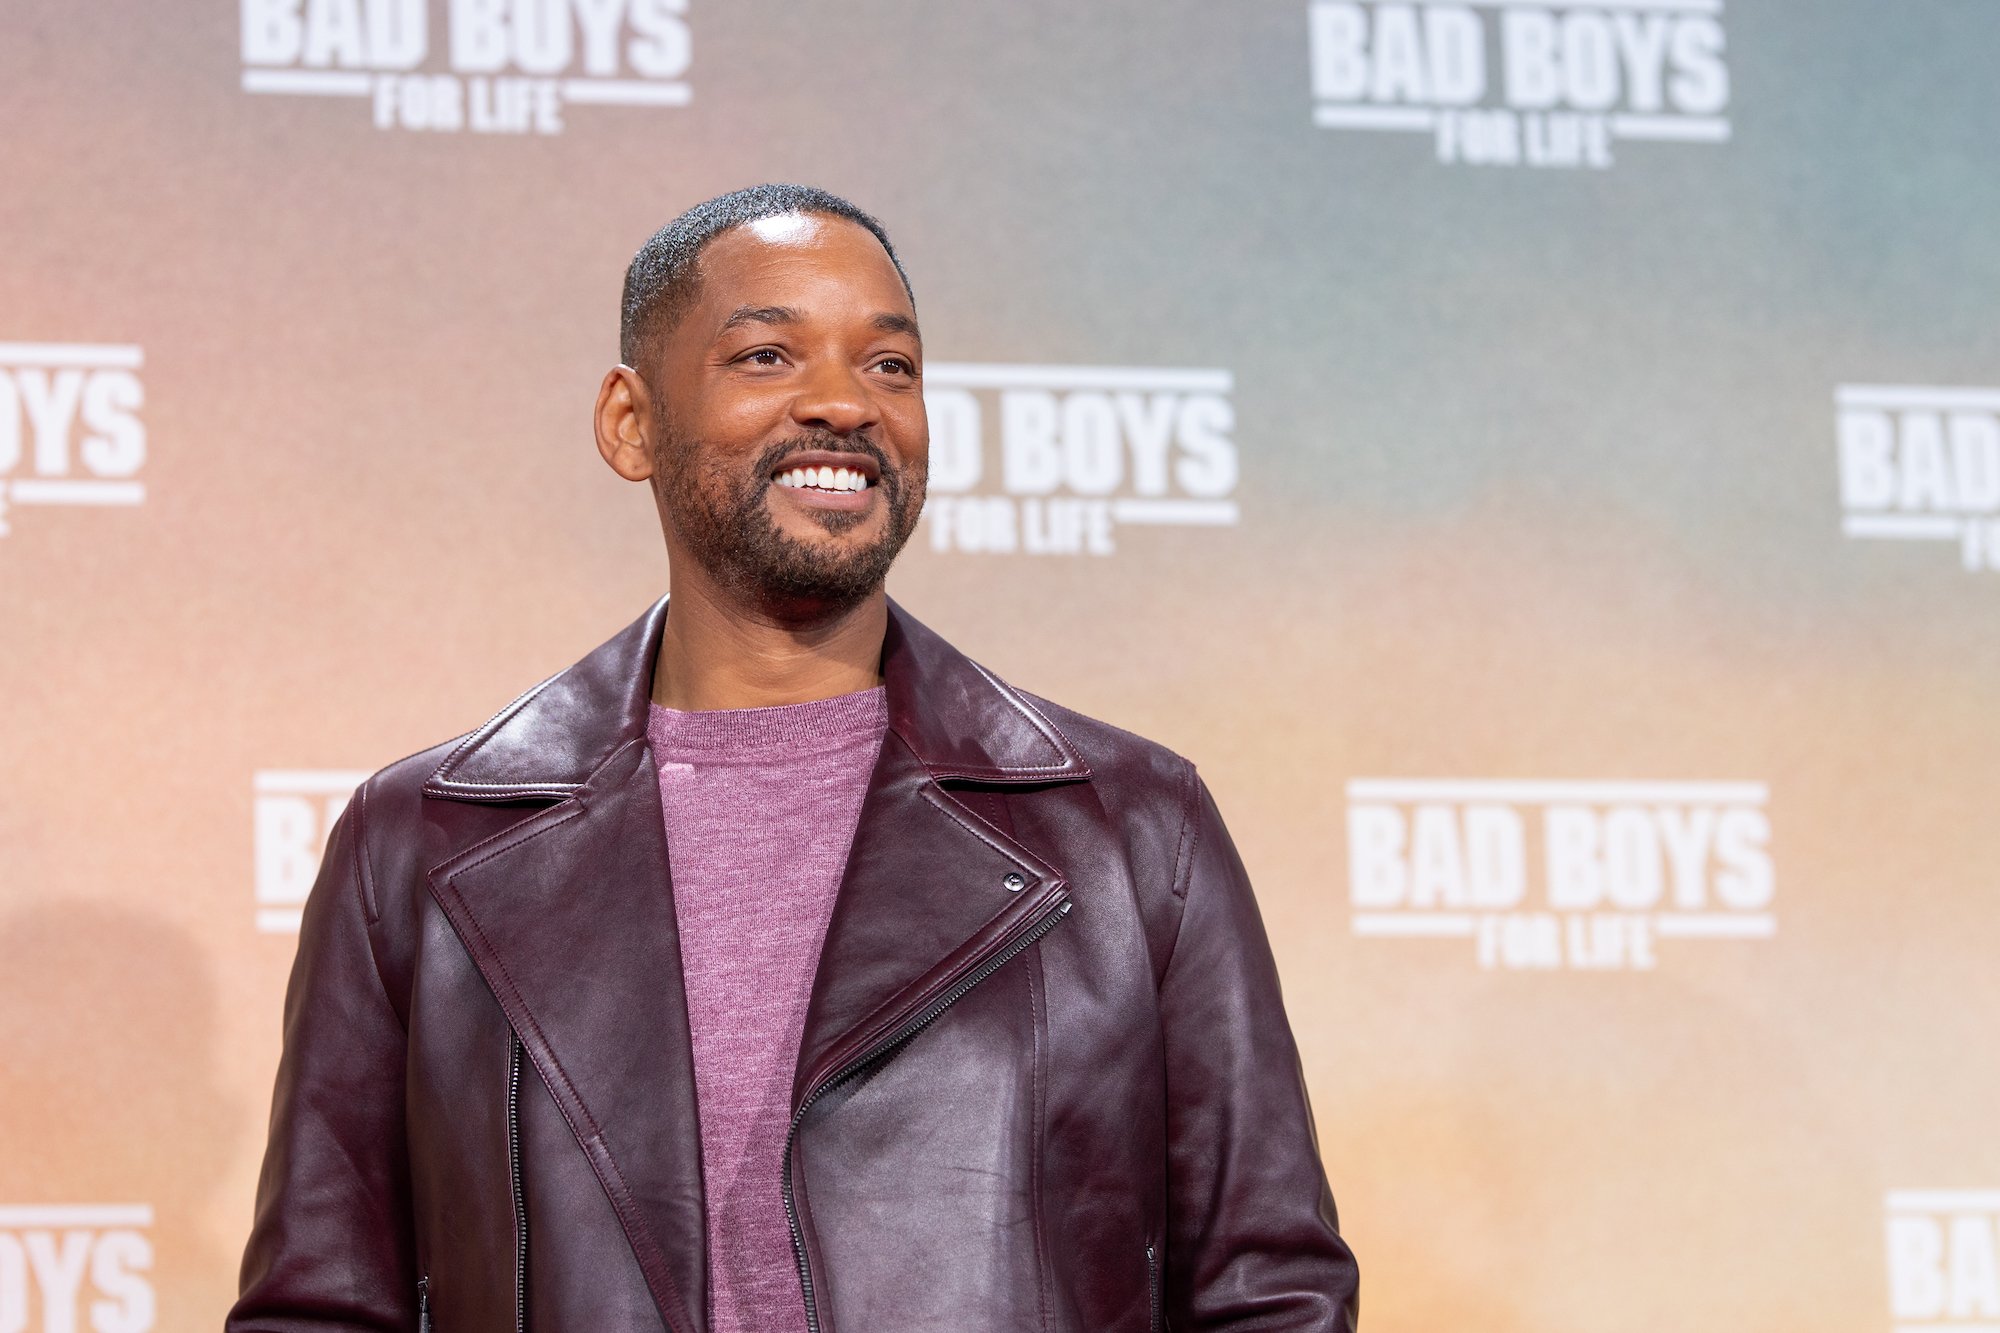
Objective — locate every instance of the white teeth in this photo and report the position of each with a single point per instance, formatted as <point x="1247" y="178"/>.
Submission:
<point x="824" y="478"/>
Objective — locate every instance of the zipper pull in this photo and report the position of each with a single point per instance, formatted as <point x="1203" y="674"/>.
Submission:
<point x="423" y="1305"/>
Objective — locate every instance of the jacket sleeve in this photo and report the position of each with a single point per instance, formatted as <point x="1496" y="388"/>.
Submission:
<point x="1252" y="1239"/>
<point x="331" y="1246"/>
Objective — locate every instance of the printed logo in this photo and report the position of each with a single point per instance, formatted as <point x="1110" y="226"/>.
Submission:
<point x="1586" y="875"/>
<point x="70" y="432"/>
<point x="70" y="1266"/>
<point x="1052" y="460"/>
<point x="502" y="66"/>
<point x="294" y="813"/>
<point x="1919" y="464"/>
<point x="1944" y="1260"/>
<point x="1520" y="83"/>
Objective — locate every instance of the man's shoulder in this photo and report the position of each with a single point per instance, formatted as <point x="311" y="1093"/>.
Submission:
<point x="397" y="813"/>
<point x="1133" y="775"/>
<point x="389" y="804"/>
<point x="405" y="778"/>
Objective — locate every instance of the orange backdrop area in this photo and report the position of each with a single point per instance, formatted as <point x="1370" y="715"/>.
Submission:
<point x="1541" y="460"/>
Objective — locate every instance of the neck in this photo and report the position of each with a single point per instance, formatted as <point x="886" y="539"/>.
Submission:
<point x="714" y="654"/>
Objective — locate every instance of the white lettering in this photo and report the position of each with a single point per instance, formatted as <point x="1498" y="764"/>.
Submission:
<point x="1031" y="461"/>
<point x="1339" y="49"/>
<point x="1093" y="454"/>
<point x="479" y="43"/>
<point x="58" y="1275"/>
<point x="50" y="401"/>
<point x="1867" y="459"/>
<point x="111" y="400"/>
<point x="664" y="48"/>
<point x="1700" y="86"/>
<point x="601" y="21"/>
<point x="10" y="423"/>
<point x="126" y="1298"/>
<point x="272" y="32"/>
<point x="1916" y="1268"/>
<point x="1147" y="420"/>
<point x="1208" y="466"/>
<point x="1375" y="872"/>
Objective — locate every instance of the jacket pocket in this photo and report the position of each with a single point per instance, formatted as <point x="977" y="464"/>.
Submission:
<point x="1153" y="1288"/>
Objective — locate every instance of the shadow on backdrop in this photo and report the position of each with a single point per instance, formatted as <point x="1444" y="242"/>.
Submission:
<point x="110" y="1097"/>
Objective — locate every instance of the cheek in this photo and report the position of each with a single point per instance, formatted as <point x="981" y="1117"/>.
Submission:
<point x="730" y="423"/>
<point x="909" y="436"/>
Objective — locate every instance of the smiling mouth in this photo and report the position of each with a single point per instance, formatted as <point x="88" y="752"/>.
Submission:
<point x="823" y="478"/>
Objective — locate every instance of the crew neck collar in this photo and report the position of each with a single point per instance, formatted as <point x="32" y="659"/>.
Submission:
<point x="813" y="725"/>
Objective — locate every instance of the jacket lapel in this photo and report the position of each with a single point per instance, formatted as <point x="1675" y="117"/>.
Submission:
<point x="570" y="918"/>
<point x="931" y="891"/>
<point x="569" y="914"/>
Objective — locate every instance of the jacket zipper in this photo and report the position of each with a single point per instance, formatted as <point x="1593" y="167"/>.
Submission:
<point x="424" y="1304"/>
<point x="1153" y="1287"/>
<point x="514" y="1174"/>
<point x="903" y="1034"/>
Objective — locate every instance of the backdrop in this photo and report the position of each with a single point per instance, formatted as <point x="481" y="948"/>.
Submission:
<point x="1541" y="460"/>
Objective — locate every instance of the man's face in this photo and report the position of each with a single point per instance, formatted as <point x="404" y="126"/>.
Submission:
<point x="792" y="446"/>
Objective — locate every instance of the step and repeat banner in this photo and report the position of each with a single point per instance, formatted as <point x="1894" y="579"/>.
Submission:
<point x="1541" y="460"/>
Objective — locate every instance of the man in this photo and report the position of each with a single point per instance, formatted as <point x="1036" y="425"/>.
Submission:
<point x="776" y="967"/>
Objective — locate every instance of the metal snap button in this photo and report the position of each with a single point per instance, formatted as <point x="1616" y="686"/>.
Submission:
<point x="1014" y="882"/>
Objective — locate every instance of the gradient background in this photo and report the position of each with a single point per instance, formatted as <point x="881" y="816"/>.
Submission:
<point x="1538" y="480"/>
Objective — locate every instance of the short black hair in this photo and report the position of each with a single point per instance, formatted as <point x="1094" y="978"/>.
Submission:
<point x="661" y="282"/>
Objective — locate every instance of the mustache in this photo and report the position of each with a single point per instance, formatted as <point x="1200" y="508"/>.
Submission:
<point x="817" y="441"/>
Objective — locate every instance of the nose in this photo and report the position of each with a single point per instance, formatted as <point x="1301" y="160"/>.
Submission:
<point x="833" y="397"/>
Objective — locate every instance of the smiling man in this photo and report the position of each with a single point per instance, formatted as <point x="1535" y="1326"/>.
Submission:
<point x="777" y="967"/>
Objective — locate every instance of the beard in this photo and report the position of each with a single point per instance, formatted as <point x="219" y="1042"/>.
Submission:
<point x="721" y="512"/>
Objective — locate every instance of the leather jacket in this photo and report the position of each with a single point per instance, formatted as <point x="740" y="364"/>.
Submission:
<point x="1046" y="1080"/>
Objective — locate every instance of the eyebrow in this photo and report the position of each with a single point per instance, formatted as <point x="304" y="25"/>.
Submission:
<point x="887" y="322"/>
<point x="759" y="314"/>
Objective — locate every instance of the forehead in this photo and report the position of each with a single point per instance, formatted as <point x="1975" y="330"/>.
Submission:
<point x="812" y="263"/>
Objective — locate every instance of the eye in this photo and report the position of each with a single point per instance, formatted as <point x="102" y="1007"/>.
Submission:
<point x="762" y="356"/>
<point x="897" y="364"/>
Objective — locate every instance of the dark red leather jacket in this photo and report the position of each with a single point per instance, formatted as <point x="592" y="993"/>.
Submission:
<point x="1046" y="1081"/>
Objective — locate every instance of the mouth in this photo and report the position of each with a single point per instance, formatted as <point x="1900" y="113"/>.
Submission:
<point x="826" y="473"/>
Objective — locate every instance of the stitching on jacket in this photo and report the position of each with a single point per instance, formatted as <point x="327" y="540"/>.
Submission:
<point x="1047" y="728"/>
<point x="615" y="1187"/>
<point x="937" y="802"/>
<point x="364" y="870"/>
<point x="1190" y="834"/>
<point x="480" y="736"/>
<point x="544" y="788"/>
<point x="654" y="1260"/>
<point x="369" y="918"/>
<point x="511" y="829"/>
<point x="866" y="1020"/>
<point x="573" y="798"/>
<point x="1036" y="1094"/>
<point x="1054" y="726"/>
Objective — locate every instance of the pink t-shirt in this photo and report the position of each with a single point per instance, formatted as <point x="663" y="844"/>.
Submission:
<point x="760" y="807"/>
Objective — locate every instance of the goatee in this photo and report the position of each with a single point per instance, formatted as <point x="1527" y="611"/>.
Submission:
<point x="723" y="516"/>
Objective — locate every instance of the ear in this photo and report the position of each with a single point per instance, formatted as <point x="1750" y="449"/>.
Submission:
<point x="624" y="422"/>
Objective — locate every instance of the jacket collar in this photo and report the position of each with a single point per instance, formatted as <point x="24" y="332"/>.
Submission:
<point x="959" y="720"/>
